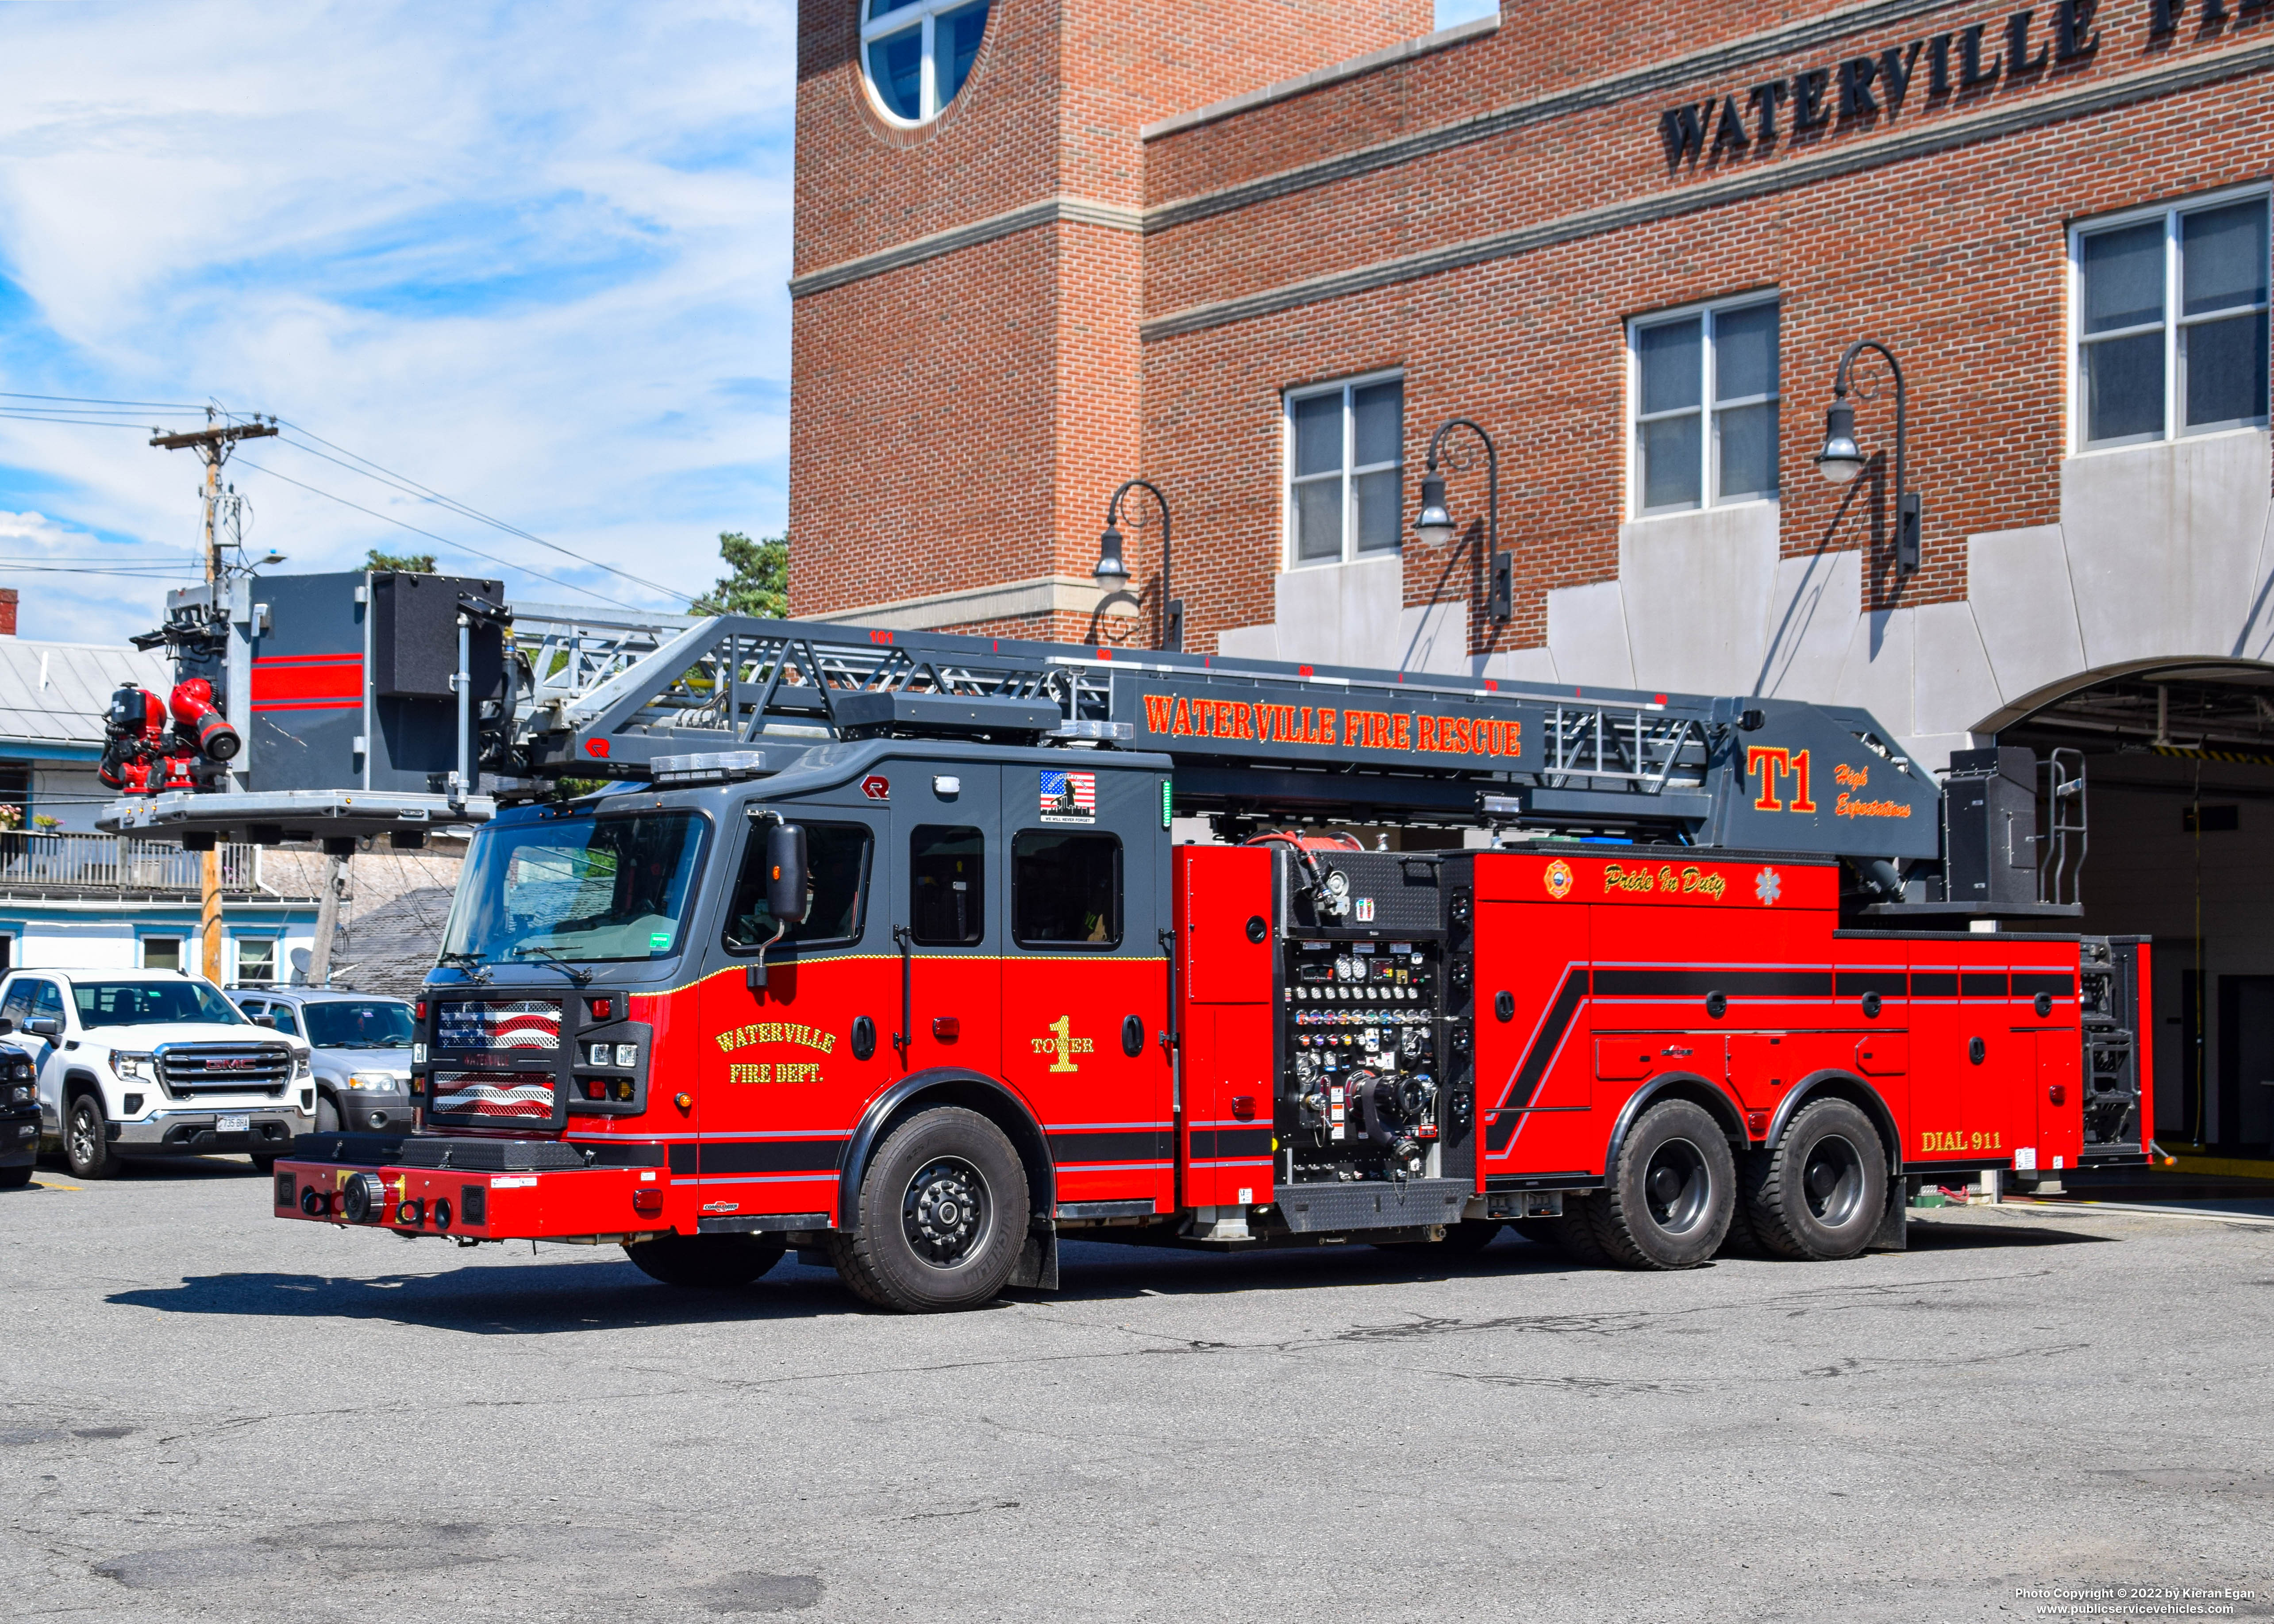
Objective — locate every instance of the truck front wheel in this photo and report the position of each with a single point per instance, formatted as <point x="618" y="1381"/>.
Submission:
<point x="943" y="1216"/>
<point x="86" y="1139"/>
<point x="1665" y="1204"/>
<point x="711" y="1261"/>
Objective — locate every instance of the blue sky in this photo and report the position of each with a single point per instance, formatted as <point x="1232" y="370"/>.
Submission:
<point x="532" y="256"/>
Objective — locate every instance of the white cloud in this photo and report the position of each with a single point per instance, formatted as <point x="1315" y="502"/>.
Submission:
<point x="530" y="256"/>
<point x="73" y="583"/>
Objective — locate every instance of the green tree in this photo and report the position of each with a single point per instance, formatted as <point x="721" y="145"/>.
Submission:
<point x="408" y="563"/>
<point x="760" y="583"/>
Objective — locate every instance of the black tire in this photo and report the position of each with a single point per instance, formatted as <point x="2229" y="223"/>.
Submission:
<point x="1665" y="1204"/>
<point x="708" y="1262"/>
<point x="15" y="1178"/>
<point x="942" y="1217"/>
<point x="86" y="1142"/>
<point x="1574" y="1232"/>
<point x="264" y="1165"/>
<point x="1821" y="1194"/>
<point x="328" y="1116"/>
<point x="1741" y="1242"/>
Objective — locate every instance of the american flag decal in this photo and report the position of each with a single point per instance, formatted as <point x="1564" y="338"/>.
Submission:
<point x="491" y="1094"/>
<point x="1069" y="797"/>
<point x="527" y="1023"/>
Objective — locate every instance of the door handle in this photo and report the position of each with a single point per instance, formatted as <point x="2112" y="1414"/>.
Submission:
<point x="903" y="936"/>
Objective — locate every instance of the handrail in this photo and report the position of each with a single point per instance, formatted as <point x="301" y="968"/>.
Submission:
<point x="69" y="861"/>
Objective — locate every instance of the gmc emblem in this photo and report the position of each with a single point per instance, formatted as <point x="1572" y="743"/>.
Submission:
<point x="231" y="1063"/>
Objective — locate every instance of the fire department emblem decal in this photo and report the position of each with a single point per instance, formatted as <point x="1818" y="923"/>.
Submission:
<point x="1558" y="879"/>
<point x="1069" y="797"/>
<point x="1768" y="884"/>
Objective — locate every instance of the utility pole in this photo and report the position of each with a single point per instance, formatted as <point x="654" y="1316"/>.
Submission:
<point x="213" y="444"/>
<point x="327" y="920"/>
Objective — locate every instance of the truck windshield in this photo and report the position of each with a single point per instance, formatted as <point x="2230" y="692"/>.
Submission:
<point x="145" y="1003"/>
<point x="380" y="1024"/>
<point x="585" y="888"/>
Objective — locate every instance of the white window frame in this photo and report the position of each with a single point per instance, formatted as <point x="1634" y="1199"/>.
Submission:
<point x="236" y="952"/>
<point x="1709" y="476"/>
<point x="1345" y="387"/>
<point x="926" y="14"/>
<point x="2174" y="384"/>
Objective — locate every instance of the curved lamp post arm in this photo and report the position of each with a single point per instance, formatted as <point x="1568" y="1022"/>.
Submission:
<point x="1500" y="572"/>
<point x="1907" y="512"/>
<point x="1172" y="623"/>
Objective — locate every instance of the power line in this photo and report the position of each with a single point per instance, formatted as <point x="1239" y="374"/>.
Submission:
<point x="459" y="545"/>
<point x="25" y="416"/>
<point x="89" y="399"/>
<point x="94" y="412"/>
<point x="369" y="470"/>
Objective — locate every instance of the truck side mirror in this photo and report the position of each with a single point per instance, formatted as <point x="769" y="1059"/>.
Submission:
<point x="6" y="1025"/>
<point x="786" y="875"/>
<point x="44" y="1026"/>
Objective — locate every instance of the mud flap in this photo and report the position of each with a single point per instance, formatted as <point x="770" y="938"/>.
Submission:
<point x="1038" y="1262"/>
<point x="1894" y="1231"/>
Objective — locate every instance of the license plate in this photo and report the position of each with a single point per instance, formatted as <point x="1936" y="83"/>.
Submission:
<point x="234" y="1124"/>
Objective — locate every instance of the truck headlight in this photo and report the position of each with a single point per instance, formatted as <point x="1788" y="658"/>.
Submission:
<point x="378" y="1082"/>
<point x="134" y="1068"/>
<point x="20" y="1094"/>
<point x="300" y="1066"/>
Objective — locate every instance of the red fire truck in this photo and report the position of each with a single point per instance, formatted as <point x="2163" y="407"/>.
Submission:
<point x="921" y="953"/>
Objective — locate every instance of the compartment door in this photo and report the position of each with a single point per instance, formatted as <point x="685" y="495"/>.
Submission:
<point x="1227" y="1061"/>
<point x="1536" y="1087"/>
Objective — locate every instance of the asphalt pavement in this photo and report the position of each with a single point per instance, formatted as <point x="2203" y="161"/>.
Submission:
<point x="212" y="1414"/>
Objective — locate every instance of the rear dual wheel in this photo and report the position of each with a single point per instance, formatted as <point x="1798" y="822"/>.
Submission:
<point x="1821" y="1194"/>
<point x="1666" y="1201"/>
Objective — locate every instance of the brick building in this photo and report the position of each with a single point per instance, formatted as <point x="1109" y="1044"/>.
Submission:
<point x="1257" y="251"/>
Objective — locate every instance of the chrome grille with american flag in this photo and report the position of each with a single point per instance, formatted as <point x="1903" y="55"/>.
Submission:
<point x="499" y="1038"/>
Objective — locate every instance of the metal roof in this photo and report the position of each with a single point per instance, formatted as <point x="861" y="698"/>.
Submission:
<point x="57" y="693"/>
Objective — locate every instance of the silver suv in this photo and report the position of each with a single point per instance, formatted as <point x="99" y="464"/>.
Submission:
<point x="362" y="1046"/>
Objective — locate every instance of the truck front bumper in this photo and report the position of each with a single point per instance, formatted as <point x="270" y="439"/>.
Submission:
<point x="601" y="1204"/>
<point x="269" y="1130"/>
<point x="361" y="1112"/>
<point x="19" y="1138"/>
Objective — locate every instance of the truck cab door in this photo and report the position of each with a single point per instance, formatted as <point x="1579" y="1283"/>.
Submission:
<point x="1085" y="978"/>
<point x="948" y="919"/>
<point x="783" y="1070"/>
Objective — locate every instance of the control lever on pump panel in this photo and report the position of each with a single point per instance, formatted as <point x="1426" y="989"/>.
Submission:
<point x="1358" y="1093"/>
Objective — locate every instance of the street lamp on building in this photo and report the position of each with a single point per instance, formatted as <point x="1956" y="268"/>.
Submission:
<point x="1112" y="572"/>
<point x="1435" y="523"/>
<point x="1842" y="458"/>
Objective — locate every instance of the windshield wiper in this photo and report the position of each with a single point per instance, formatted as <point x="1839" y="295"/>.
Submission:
<point x="473" y="963"/>
<point x="574" y="972"/>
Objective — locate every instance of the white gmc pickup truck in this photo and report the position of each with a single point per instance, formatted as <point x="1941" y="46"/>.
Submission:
<point x="154" y="1063"/>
